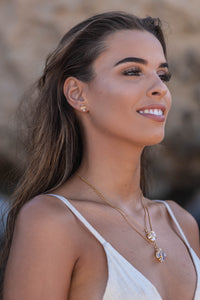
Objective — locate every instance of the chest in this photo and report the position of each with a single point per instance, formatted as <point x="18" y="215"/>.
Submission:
<point x="175" y="278"/>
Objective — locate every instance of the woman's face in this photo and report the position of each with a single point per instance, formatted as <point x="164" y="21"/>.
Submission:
<point x="128" y="98"/>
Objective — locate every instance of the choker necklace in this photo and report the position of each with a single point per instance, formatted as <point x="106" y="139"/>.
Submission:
<point x="150" y="235"/>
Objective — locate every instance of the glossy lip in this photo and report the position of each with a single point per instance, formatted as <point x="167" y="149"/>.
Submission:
<point x="151" y="116"/>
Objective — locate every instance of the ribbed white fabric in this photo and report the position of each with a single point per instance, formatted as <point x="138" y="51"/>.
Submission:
<point x="125" y="282"/>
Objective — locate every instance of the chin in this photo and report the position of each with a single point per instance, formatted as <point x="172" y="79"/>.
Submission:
<point x="154" y="139"/>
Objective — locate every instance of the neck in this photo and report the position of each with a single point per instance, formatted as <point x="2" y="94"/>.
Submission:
<point x="114" y="171"/>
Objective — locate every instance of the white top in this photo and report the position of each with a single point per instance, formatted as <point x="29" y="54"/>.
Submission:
<point x="125" y="282"/>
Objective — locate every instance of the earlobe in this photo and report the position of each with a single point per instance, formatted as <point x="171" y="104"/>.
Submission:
<point x="73" y="90"/>
<point x="83" y="108"/>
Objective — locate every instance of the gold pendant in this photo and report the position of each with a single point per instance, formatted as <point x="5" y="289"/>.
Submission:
<point x="151" y="236"/>
<point x="160" y="254"/>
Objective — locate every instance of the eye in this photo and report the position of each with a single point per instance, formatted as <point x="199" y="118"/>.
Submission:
<point x="132" y="72"/>
<point x="165" y="77"/>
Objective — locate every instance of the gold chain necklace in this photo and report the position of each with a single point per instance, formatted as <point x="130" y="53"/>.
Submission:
<point x="149" y="236"/>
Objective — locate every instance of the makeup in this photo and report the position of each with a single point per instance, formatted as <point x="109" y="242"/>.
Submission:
<point x="153" y="111"/>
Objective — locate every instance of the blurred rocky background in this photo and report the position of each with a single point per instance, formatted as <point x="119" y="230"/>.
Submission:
<point x="30" y="29"/>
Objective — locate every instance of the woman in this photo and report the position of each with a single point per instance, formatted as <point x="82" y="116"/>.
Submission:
<point x="101" y="100"/>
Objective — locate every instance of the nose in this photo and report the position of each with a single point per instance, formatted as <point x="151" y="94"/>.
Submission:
<point x="158" y="89"/>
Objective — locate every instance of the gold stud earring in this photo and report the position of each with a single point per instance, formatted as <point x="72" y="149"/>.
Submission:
<point x="83" y="108"/>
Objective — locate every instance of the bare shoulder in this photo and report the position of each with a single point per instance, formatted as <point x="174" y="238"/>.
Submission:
<point x="44" y="251"/>
<point x="188" y="224"/>
<point x="45" y="206"/>
<point x="48" y="215"/>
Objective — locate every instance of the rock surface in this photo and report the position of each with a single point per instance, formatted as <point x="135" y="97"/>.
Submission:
<point x="30" y="29"/>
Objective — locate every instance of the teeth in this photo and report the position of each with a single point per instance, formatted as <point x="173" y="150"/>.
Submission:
<point x="157" y="112"/>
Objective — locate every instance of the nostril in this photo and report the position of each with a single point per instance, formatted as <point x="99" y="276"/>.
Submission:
<point x="155" y="93"/>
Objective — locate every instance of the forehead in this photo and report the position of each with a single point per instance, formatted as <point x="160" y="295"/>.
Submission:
<point x="127" y="43"/>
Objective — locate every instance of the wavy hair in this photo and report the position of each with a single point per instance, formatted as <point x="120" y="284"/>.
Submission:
<point x="54" y="144"/>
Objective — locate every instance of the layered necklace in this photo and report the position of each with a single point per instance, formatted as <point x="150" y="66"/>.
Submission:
<point x="149" y="235"/>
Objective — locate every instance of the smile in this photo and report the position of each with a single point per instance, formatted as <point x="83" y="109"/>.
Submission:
<point x="155" y="112"/>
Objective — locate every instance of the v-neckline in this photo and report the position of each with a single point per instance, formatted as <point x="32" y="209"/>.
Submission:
<point x="143" y="277"/>
<point x="190" y="250"/>
<point x="103" y="242"/>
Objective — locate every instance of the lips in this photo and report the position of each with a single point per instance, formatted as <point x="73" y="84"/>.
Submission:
<point x="153" y="111"/>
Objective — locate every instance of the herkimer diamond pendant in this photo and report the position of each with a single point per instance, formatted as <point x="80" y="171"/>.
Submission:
<point x="160" y="255"/>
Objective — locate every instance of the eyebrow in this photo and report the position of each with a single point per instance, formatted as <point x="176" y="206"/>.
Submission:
<point x="140" y="61"/>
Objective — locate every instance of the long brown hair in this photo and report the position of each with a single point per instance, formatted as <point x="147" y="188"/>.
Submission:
<point x="54" y="140"/>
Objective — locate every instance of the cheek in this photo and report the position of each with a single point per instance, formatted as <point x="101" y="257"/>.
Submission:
<point x="168" y="102"/>
<point x="169" y="99"/>
<point x="113" y="107"/>
<point x="113" y="111"/>
<point x="115" y="96"/>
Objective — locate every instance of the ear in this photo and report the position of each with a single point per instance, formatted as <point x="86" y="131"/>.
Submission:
<point x="73" y="91"/>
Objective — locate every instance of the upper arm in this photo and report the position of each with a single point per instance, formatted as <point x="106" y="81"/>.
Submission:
<point x="188" y="224"/>
<point x="42" y="256"/>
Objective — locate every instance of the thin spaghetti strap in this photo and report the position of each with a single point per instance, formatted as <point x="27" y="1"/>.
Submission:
<point x="175" y="221"/>
<point x="81" y="218"/>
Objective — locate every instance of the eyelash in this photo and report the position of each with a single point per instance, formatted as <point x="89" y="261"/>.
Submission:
<point x="136" y="72"/>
